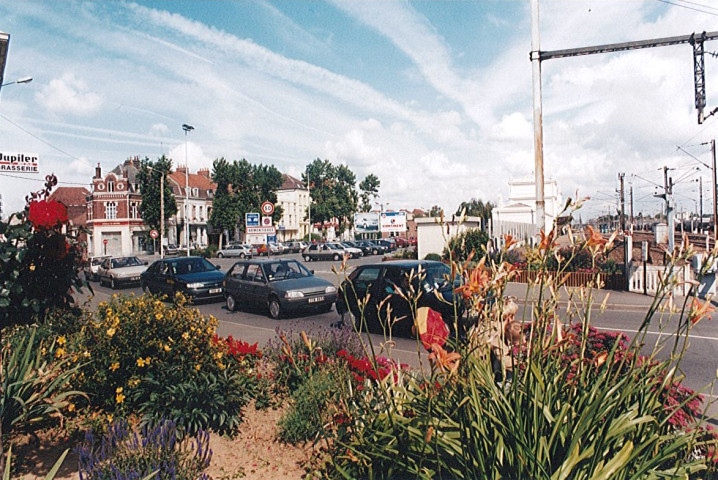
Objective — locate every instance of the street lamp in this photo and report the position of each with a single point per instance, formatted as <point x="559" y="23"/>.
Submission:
<point x="186" y="128"/>
<point x="19" y="80"/>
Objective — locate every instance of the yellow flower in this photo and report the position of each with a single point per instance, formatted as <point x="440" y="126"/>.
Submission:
<point x="118" y="390"/>
<point x="221" y="365"/>
<point x="197" y="367"/>
<point x="147" y="360"/>
<point x="115" y="366"/>
<point x="119" y="398"/>
<point x="61" y="340"/>
<point x="32" y="267"/>
<point x="60" y="352"/>
<point x="110" y="332"/>
<point x="185" y="335"/>
<point x="140" y="362"/>
<point x="71" y="407"/>
<point x="109" y="418"/>
<point x="44" y="350"/>
<point x="133" y="383"/>
<point x="167" y="348"/>
<point x="158" y="315"/>
<point x="86" y="354"/>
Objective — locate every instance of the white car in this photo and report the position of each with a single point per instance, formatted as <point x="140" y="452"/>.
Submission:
<point x="353" y="251"/>
<point x="119" y="271"/>
<point x="235" y="250"/>
<point x="92" y="267"/>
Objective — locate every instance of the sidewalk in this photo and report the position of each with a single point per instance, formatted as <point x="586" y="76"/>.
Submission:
<point x="617" y="300"/>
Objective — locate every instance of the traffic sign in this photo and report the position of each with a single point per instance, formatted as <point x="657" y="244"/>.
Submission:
<point x="266" y="221"/>
<point x="251" y="220"/>
<point x="154" y="233"/>
<point x="261" y="230"/>
<point x="267" y="208"/>
<point x="104" y="241"/>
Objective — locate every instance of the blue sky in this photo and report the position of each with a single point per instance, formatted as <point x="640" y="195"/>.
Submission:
<point x="433" y="97"/>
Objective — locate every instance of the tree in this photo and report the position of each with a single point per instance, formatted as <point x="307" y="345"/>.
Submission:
<point x="225" y="213"/>
<point x="369" y="191"/>
<point x="150" y="176"/>
<point x="477" y="208"/>
<point x="332" y="191"/>
<point x="436" y="211"/>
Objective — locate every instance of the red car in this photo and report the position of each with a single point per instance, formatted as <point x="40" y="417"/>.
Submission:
<point x="401" y="242"/>
<point x="261" y="248"/>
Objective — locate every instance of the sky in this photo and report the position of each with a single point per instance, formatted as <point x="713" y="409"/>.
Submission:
<point x="433" y="97"/>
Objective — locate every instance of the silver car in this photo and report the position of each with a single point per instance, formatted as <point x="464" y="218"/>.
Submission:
<point x="235" y="250"/>
<point x="120" y="271"/>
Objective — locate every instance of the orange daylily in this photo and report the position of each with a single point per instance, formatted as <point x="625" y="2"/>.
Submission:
<point x="699" y="311"/>
<point x="445" y="361"/>
<point x="476" y="283"/>
<point x="546" y="240"/>
<point x="509" y="241"/>
<point x="595" y="239"/>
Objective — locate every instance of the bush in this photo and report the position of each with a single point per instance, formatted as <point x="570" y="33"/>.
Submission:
<point x="462" y="245"/>
<point x="125" y="455"/>
<point x="433" y="256"/>
<point x="39" y="264"/>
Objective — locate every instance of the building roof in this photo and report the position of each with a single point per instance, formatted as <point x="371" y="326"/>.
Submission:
<point x="71" y="196"/>
<point x="291" y="183"/>
<point x="194" y="180"/>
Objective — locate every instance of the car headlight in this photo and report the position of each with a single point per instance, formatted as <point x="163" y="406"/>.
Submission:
<point x="294" y="294"/>
<point x="330" y="289"/>
<point x="194" y="285"/>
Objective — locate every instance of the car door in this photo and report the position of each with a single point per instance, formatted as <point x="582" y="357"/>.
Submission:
<point x="164" y="280"/>
<point x="103" y="273"/>
<point x="393" y="290"/>
<point x="255" y="284"/>
<point x="234" y="282"/>
<point x="363" y="282"/>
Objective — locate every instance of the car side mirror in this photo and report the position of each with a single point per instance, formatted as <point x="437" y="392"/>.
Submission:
<point x="218" y="267"/>
<point x="312" y="271"/>
<point x="147" y="263"/>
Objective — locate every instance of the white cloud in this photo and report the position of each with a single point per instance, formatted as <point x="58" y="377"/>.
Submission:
<point x="69" y="94"/>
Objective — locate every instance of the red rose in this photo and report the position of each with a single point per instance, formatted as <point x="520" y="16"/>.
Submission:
<point x="47" y="214"/>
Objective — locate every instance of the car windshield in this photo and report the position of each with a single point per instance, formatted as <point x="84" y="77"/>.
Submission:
<point x="192" y="265"/>
<point x="126" y="262"/>
<point x="440" y="276"/>
<point x="285" y="270"/>
<point x="335" y="246"/>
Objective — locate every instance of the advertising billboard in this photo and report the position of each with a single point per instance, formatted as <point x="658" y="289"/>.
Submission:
<point x="19" y="162"/>
<point x="366" y="222"/>
<point x="392" y="222"/>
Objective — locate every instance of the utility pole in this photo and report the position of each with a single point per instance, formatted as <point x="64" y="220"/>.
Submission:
<point x="630" y="190"/>
<point x="715" y="196"/>
<point x="621" y="175"/>
<point x="535" y="56"/>
<point x="700" y="203"/>
<point x="668" y="195"/>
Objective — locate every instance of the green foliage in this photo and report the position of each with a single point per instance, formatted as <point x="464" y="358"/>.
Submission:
<point x="36" y="380"/>
<point x="332" y="191"/>
<point x="369" y="188"/>
<point x="205" y="400"/>
<point x="408" y="253"/>
<point x="436" y="211"/>
<point x="313" y="404"/>
<point x="150" y="178"/>
<point x="154" y="452"/>
<point x="50" y="475"/>
<point x="433" y="256"/>
<point x="476" y="208"/>
<point x="461" y="245"/>
<point x="206" y="252"/>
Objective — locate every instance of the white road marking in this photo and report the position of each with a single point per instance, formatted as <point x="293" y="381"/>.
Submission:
<point x="700" y="337"/>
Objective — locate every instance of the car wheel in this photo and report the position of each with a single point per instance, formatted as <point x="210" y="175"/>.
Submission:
<point x="231" y="303"/>
<point x="275" y="309"/>
<point x="220" y="255"/>
<point x="375" y="252"/>
<point x="336" y="257"/>
<point x="241" y="255"/>
<point x="326" y="309"/>
<point x="307" y="258"/>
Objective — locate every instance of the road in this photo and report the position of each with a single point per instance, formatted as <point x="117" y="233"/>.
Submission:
<point x="624" y="314"/>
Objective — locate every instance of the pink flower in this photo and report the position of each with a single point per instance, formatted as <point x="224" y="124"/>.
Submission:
<point x="431" y="327"/>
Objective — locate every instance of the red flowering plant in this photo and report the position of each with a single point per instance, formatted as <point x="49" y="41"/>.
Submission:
<point x="40" y="260"/>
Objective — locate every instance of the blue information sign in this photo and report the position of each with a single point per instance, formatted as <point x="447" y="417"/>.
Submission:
<point x="251" y="219"/>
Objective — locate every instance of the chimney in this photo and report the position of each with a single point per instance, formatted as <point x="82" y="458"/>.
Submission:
<point x="98" y="171"/>
<point x="181" y="169"/>
<point x="204" y="172"/>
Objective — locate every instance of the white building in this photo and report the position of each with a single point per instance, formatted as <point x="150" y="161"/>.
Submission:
<point x="293" y="197"/>
<point x="433" y="236"/>
<point x="517" y="215"/>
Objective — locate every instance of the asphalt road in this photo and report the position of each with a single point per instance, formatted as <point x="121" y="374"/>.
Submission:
<point x="700" y="364"/>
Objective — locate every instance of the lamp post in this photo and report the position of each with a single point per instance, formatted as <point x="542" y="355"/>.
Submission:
<point x="19" y="80"/>
<point x="186" y="128"/>
<point x="309" y="209"/>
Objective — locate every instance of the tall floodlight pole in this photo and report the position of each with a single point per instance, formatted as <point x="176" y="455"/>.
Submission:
<point x="186" y="128"/>
<point x="309" y="209"/>
<point x="4" y="45"/>
<point x="538" y="117"/>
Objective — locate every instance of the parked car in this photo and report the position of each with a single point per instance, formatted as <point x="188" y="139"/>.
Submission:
<point x="172" y="249"/>
<point x="390" y="247"/>
<point x="297" y="247"/>
<point x="235" y="250"/>
<point x="355" y="252"/>
<point x="261" y="248"/>
<point x="379" y="281"/>
<point x="282" y="286"/>
<point x="275" y="248"/>
<point x="401" y="242"/>
<point x="194" y="277"/>
<point x="120" y="271"/>
<point x="91" y="267"/>
<point x="371" y="248"/>
<point x="323" y="251"/>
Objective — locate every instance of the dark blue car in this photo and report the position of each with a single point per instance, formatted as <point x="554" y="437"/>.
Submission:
<point x="194" y="277"/>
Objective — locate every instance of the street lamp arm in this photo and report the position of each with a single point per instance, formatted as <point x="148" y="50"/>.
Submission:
<point x="19" y="80"/>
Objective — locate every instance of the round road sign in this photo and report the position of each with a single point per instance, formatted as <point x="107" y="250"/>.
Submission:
<point x="104" y="241"/>
<point x="267" y="208"/>
<point x="154" y="233"/>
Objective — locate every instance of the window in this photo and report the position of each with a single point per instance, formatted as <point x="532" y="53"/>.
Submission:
<point x="366" y="277"/>
<point x="89" y="211"/>
<point x="134" y="210"/>
<point x="110" y="186"/>
<point x="110" y="210"/>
